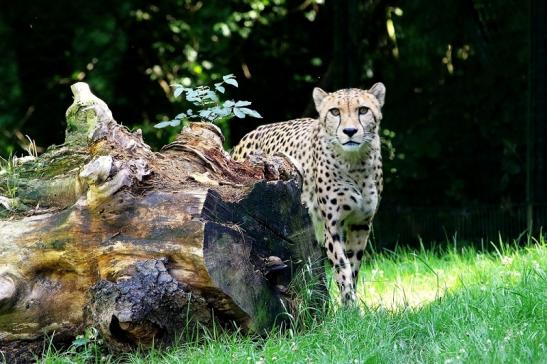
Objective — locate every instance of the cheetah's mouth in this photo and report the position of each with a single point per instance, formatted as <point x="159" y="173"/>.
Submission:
<point x="351" y="143"/>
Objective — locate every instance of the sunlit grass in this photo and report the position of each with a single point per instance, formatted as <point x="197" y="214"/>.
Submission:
<point x="412" y="279"/>
<point x="429" y="306"/>
<point x="409" y="279"/>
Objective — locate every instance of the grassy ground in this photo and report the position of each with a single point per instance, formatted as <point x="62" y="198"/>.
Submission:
<point x="454" y="306"/>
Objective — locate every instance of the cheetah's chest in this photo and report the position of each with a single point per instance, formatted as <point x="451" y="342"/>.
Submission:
<point x="365" y="207"/>
<point x="356" y="195"/>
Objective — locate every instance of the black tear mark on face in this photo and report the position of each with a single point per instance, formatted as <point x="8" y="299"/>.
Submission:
<point x="338" y="126"/>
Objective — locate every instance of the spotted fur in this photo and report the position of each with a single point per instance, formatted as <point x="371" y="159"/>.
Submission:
<point x="339" y="157"/>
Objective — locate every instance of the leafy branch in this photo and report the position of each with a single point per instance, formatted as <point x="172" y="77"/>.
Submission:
<point x="209" y="105"/>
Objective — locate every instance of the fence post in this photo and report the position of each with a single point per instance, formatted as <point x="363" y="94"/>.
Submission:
<point x="535" y="123"/>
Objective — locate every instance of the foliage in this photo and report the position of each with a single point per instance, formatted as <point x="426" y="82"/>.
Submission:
<point x="8" y="187"/>
<point x="446" y="306"/>
<point x="211" y="108"/>
<point x="87" y="347"/>
<point x="456" y="75"/>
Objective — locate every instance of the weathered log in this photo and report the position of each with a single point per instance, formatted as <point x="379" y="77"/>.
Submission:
<point x="102" y="231"/>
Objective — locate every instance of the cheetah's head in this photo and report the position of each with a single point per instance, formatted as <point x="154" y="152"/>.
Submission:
<point x="351" y="117"/>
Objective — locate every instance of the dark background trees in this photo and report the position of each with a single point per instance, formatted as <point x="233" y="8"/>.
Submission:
<point x="465" y="83"/>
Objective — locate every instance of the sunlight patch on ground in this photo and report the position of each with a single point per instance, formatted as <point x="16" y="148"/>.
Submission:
<point x="405" y="291"/>
<point x="400" y="291"/>
<point x="410" y="280"/>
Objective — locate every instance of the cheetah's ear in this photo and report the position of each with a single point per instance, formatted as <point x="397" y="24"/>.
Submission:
<point x="318" y="96"/>
<point x="379" y="91"/>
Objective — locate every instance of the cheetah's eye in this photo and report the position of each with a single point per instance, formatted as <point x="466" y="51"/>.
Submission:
<point x="334" y="111"/>
<point x="363" y="110"/>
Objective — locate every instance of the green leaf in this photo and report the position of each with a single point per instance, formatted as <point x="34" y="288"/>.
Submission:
<point x="220" y="111"/>
<point x="178" y="91"/>
<point x="212" y="96"/>
<point x="231" y="81"/>
<point x="238" y="113"/>
<point x="250" y="112"/>
<point x="167" y="123"/>
<point x="192" y="96"/>
<point x="242" y="103"/>
<point x="80" y="341"/>
<point x="224" y="111"/>
<point x="163" y="124"/>
<point x="220" y="88"/>
<point x="207" y="114"/>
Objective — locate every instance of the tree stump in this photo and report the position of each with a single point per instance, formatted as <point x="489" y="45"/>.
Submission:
<point x="102" y="231"/>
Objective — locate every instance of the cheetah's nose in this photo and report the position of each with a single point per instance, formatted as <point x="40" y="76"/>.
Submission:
<point x="349" y="131"/>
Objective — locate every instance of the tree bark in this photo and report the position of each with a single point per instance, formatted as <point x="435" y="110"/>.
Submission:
<point x="102" y="231"/>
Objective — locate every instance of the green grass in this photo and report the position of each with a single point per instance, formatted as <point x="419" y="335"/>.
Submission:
<point x="429" y="306"/>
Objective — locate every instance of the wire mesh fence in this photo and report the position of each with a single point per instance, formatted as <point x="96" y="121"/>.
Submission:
<point x="406" y="225"/>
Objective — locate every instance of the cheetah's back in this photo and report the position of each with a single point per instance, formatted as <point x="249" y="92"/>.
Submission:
<point x="291" y="137"/>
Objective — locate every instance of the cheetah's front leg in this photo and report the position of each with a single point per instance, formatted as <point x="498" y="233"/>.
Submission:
<point x="342" y="268"/>
<point x="356" y="242"/>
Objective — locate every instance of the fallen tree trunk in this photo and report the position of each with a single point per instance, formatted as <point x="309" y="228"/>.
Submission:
<point x="103" y="232"/>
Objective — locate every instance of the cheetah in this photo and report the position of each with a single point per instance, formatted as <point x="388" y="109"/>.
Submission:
<point x="338" y="155"/>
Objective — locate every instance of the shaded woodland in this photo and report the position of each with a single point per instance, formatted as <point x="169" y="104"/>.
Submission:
<point x="465" y="107"/>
